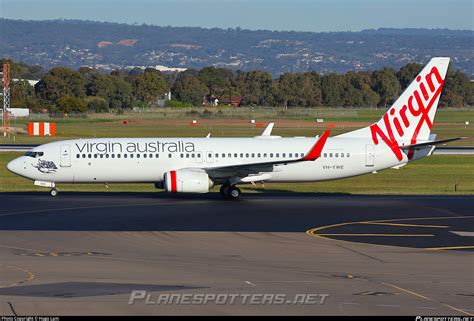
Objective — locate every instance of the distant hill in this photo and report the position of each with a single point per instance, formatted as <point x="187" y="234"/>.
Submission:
<point x="111" y="45"/>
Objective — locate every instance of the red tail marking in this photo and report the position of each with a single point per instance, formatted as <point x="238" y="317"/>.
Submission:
<point x="421" y="111"/>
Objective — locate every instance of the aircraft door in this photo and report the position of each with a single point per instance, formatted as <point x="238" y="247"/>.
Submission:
<point x="369" y="155"/>
<point x="65" y="156"/>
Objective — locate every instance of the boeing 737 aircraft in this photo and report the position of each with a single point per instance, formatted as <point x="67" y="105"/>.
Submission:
<point x="194" y="165"/>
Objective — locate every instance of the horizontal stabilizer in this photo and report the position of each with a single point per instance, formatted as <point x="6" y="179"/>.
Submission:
<point x="435" y="142"/>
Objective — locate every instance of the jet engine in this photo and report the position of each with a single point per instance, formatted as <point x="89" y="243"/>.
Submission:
<point x="187" y="181"/>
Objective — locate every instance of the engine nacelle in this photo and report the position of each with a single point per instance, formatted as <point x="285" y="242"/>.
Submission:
<point x="187" y="181"/>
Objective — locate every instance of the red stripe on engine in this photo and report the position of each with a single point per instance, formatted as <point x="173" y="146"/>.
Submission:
<point x="173" y="182"/>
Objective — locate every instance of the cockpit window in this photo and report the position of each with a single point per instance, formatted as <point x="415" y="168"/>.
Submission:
<point x="34" y="154"/>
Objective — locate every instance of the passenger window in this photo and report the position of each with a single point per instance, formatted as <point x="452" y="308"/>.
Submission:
<point x="144" y="155"/>
<point x="229" y="155"/>
<point x="101" y="155"/>
<point x="217" y="155"/>
<point x="157" y="155"/>
<point x="106" y="155"/>
<point x="283" y="155"/>
<point x="241" y="155"/>
<point x="83" y="155"/>
<point x="277" y="155"/>
<point x="223" y="155"/>
<point x="271" y="154"/>
<point x="170" y="155"/>
<point x="342" y="154"/>
<point x="348" y="155"/>
<point x="330" y="154"/>
<point x="336" y="155"/>
<point x="131" y="155"/>
<point x="113" y="155"/>
<point x="138" y="155"/>
<point x="150" y="155"/>
<point x="247" y="155"/>
<point x="77" y="156"/>
<point x="265" y="155"/>
<point x="259" y="155"/>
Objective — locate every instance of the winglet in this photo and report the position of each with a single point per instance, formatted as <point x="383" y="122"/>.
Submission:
<point x="317" y="148"/>
<point x="268" y="130"/>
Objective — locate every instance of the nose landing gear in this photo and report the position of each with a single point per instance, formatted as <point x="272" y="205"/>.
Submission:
<point x="53" y="192"/>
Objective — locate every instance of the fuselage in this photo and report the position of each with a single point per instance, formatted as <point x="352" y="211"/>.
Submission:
<point x="146" y="160"/>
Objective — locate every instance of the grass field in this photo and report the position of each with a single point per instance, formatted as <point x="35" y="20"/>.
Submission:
<point x="434" y="175"/>
<point x="234" y="122"/>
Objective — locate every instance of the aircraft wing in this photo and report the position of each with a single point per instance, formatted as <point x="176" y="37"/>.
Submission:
<point x="245" y="170"/>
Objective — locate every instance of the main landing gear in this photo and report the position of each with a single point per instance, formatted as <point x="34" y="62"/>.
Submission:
<point x="230" y="192"/>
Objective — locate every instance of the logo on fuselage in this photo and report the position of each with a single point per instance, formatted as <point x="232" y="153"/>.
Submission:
<point x="134" y="147"/>
<point x="45" y="167"/>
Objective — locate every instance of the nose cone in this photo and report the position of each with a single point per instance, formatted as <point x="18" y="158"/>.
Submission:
<point x="15" y="166"/>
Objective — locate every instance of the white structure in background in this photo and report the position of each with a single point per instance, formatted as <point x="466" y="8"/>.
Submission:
<point x="159" y="68"/>
<point x="164" y="68"/>
<point x="19" y="112"/>
<point x="31" y="82"/>
<point x="163" y="99"/>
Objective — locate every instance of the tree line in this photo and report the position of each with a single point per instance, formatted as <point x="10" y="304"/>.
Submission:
<point x="66" y="90"/>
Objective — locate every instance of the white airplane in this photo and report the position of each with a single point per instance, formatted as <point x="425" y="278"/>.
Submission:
<point x="194" y="165"/>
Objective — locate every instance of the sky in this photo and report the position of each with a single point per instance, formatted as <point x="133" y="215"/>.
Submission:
<point x="298" y="15"/>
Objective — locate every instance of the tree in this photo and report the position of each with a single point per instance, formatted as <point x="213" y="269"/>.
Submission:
<point x="101" y="85"/>
<point x="217" y="80"/>
<point x="407" y="73"/>
<point x="386" y="85"/>
<point x="123" y="93"/>
<point x="457" y="89"/>
<point x="97" y="104"/>
<point x="60" y="82"/>
<point x="148" y="87"/>
<point x="68" y="104"/>
<point x="23" y="95"/>
<point x="332" y="87"/>
<point x="190" y="89"/>
<point x="299" y="90"/>
<point x="256" y="87"/>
